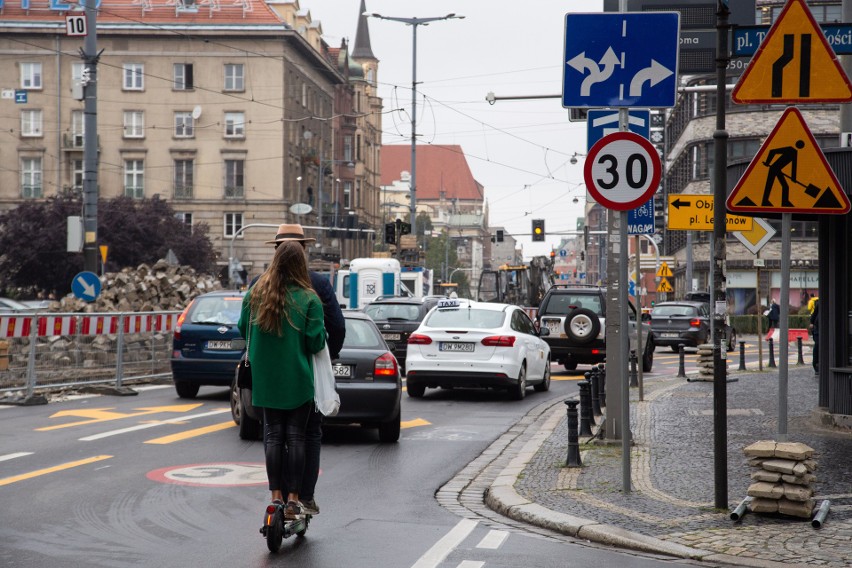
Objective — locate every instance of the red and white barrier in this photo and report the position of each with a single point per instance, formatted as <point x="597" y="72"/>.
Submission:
<point x="15" y="326"/>
<point x="48" y="326"/>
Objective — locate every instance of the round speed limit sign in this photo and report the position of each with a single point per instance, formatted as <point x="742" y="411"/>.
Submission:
<point x="622" y="171"/>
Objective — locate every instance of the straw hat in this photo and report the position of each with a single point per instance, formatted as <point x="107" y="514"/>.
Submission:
<point x="290" y="232"/>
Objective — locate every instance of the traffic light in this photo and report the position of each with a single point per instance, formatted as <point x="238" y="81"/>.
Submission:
<point x="404" y="228"/>
<point x="538" y="230"/>
<point x="390" y="233"/>
<point x="499" y="235"/>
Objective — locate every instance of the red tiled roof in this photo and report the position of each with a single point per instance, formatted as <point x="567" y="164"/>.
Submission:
<point x="210" y="12"/>
<point x="439" y="167"/>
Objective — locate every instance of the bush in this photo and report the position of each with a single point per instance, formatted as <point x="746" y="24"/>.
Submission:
<point x="748" y="324"/>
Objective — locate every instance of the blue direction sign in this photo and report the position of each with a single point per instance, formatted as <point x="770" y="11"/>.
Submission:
<point x="603" y="122"/>
<point x="640" y="221"/>
<point x="621" y="59"/>
<point x="20" y="97"/>
<point x="86" y="286"/>
<point x="747" y="39"/>
<point x="563" y="252"/>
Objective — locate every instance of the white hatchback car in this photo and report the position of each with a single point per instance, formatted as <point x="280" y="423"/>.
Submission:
<point x="462" y="343"/>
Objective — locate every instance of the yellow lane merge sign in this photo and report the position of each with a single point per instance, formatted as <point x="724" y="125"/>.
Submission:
<point x="664" y="271"/>
<point x="695" y="213"/>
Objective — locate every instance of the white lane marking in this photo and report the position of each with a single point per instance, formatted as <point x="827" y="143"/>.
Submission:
<point x="441" y="549"/>
<point x="15" y="455"/>
<point x="151" y="387"/>
<point x="493" y="539"/>
<point x="152" y="425"/>
<point x="471" y="564"/>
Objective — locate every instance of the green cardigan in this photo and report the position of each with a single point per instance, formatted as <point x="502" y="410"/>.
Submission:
<point x="282" y="366"/>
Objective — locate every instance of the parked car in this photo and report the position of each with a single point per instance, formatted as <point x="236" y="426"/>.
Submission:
<point x="397" y="317"/>
<point x="576" y="317"/>
<point x="202" y="352"/>
<point x="462" y="343"/>
<point x="368" y="381"/>
<point x="688" y="323"/>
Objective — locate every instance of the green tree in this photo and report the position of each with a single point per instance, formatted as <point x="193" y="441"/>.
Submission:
<point x="33" y="241"/>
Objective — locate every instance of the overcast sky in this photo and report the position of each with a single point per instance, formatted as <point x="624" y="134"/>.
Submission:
<point x="518" y="150"/>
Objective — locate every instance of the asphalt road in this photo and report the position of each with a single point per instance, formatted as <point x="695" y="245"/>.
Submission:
<point x="153" y="480"/>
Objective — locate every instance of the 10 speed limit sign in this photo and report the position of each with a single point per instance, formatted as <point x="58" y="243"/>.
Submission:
<point x="622" y="171"/>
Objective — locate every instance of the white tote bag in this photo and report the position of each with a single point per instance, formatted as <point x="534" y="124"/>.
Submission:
<point x="325" y="393"/>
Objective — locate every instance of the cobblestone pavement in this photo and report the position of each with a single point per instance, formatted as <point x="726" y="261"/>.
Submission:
<point x="670" y="508"/>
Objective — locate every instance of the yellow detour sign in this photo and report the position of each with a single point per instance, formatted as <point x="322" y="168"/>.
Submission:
<point x="694" y="212"/>
<point x="665" y="272"/>
<point x="104" y="251"/>
<point x="664" y="286"/>
<point x="789" y="174"/>
<point x="794" y="64"/>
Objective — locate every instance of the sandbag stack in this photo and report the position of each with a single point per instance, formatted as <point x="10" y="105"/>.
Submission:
<point x="784" y="478"/>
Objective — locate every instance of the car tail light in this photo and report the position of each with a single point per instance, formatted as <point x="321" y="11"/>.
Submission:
<point x="181" y="319"/>
<point x="499" y="341"/>
<point x="386" y="366"/>
<point x="695" y="322"/>
<point x="596" y="351"/>
<point x="417" y="339"/>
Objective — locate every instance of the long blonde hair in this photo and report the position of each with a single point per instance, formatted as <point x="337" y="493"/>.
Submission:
<point x="271" y="295"/>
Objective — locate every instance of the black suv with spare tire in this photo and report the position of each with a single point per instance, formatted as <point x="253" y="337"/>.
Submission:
<point x="576" y="318"/>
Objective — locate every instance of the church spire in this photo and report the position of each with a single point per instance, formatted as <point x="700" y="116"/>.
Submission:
<point x="362" y="48"/>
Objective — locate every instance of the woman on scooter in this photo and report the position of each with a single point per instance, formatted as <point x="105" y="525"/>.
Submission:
<point x="282" y="320"/>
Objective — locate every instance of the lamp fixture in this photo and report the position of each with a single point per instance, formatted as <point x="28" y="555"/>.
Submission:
<point x="573" y="159"/>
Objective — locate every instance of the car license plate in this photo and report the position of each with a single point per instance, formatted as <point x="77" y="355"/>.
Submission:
<point x="219" y="345"/>
<point x="463" y="347"/>
<point x="392" y="336"/>
<point x="553" y="326"/>
<point x="342" y="370"/>
<point x="669" y="335"/>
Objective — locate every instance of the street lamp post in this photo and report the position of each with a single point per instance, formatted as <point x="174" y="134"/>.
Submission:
<point x="414" y="22"/>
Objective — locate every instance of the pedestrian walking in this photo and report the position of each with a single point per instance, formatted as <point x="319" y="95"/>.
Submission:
<point x="282" y="318"/>
<point x="814" y="328"/>
<point x="773" y="314"/>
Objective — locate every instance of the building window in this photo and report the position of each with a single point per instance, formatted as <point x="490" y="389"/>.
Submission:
<point x="31" y="123"/>
<point x="358" y="147"/>
<point x="77" y="175"/>
<point x="347" y="148"/>
<point x="183" y="125"/>
<point x="182" y="77"/>
<point x="233" y="223"/>
<point x="235" y="178"/>
<point x="235" y="125"/>
<point x="133" y="76"/>
<point x="234" y="77"/>
<point x="78" y="129"/>
<point x="183" y="179"/>
<point x="134" y="124"/>
<point x="31" y="75"/>
<point x="186" y="218"/>
<point x="31" y="178"/>
<point x="134" y="178"/>
<point x="347" y="195"/>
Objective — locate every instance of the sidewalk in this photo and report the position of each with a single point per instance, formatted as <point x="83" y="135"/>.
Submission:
<point x="670" y="508"/>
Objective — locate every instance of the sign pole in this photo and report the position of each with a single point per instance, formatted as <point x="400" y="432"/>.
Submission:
<point x="784" y="326"/>
<point x="623" y="333"/>
<point x="639" y="350"/>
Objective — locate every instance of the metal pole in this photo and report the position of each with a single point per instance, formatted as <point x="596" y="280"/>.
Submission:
<point x="639" y="313"/>
<point x="90" y="141"/>
<point x="720" y="179"/>
<point x="413" y="204"/>
<point x="784" y="326"/>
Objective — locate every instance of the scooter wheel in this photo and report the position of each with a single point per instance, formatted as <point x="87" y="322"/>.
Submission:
<point x="275" y="530"/>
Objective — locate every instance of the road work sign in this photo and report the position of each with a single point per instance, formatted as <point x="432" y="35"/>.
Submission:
<point x="694" y="212"/>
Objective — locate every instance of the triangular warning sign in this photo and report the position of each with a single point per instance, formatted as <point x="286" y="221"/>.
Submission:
<point x="664" y="286"/>
<point x="665" y="271"/>
<point x="789" y="174"/>
<point x="794" y="64"/>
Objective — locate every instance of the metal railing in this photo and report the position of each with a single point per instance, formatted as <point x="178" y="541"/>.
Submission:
<point x="58" y="350"/>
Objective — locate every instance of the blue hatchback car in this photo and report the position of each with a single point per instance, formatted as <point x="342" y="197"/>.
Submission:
<point x="202" y="352"/>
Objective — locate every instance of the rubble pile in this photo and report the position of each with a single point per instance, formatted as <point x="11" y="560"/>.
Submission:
<point x="705" y="363"/>
<point x="161" y="287"/>
<point x="784" y="478"/>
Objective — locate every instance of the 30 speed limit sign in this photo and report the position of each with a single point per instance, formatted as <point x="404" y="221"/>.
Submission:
<point x="622" y="171"/>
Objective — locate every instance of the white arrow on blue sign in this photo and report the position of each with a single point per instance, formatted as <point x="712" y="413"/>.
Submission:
<point x="86" y="286"/>
<point x="621" y="60"/>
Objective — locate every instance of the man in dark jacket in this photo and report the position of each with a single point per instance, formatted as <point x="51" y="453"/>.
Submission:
<point x="814" y="327"/>
<point x="335" y="326"/>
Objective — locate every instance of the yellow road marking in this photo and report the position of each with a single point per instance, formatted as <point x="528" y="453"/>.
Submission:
<point x="192" y="433"/>
<point x="414" y="423"/>
<point x="571" y="378"/>
<point x="103" y="414"/>
<point x="45" y="471"/>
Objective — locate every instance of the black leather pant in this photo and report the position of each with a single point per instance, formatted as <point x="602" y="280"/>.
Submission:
<point x="284" y="435"/>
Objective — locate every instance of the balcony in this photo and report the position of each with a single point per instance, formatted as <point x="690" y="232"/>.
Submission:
<point x="234" y="192"/>
<point x="75" y="142"/>
<point x="183" y="192"/>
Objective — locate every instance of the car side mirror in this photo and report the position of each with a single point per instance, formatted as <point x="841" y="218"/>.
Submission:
<point x="544" y="331"/>
<point x="646" y="317"/>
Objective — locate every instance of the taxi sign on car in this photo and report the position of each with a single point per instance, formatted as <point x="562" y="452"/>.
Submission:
<point x="448" y="303"/>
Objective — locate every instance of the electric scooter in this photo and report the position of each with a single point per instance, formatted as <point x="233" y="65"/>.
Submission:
<point x="276" y="528"/>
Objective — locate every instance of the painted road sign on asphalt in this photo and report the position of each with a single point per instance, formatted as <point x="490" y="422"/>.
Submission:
<point x="694" y="212"/>
<point x="758" y="236"/>
<point x="86" y="286"/>
<point x="794" y="64"/>
<point x="622" y="171"/>
<point x="621" y="59"/>
<point x="789" y="174"/>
